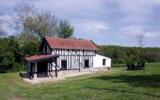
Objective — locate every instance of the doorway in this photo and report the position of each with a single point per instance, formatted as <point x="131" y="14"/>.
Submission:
<point x="42" y="69"/>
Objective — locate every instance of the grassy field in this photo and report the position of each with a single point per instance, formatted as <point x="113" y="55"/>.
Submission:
<point x="117" y="84"/>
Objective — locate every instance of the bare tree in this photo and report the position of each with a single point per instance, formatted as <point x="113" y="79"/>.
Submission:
<point x="45" y="24"/>
<point x="23" y="11"/>
<point x="140" y="37"/>
<point x="39" y="23"/>
<point x="32" y="22"/>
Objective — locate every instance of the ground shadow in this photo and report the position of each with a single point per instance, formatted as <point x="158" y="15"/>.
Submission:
<point x="145" y="81"/>
<point x="152" y="81"/>
<point x="123" y="91"/>
<point x="24" y="75"/>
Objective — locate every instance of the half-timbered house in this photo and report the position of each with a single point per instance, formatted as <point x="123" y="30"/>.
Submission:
<point x="59" y="54"/>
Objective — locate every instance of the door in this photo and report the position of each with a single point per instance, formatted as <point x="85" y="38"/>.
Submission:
<point x="64" y="64"/>
<point x="42" y="69"/>
<point x="86" y="63"/>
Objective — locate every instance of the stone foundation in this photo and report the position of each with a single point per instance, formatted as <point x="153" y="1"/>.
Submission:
<point x="63" y="73"/>
<point x="70" y="73"/>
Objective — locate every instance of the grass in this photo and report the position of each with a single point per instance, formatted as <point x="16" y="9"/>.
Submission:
<point x="117" y="84"/>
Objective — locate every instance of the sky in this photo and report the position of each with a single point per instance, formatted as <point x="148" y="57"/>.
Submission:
<point x="106" y="22"/>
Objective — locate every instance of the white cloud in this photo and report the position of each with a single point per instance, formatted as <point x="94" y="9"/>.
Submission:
<point x="132" y="31"/>
<point x="7" y="3"/>
<point x="68" y="8"/>
<point x="137" y="11"/>
<point x="5" y="17"/>
<point x="138" y="15"/>
<point x="7" y="23"/>
<point x="152" y="35"/>
<point x="91" y="26"/>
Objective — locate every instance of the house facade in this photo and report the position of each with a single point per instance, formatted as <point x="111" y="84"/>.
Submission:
<point x="59" y="54"/>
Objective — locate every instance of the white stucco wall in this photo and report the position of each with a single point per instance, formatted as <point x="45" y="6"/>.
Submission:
<point x="98" y="61"/>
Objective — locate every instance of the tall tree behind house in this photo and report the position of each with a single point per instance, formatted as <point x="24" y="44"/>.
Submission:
<point x="39" y="24"/>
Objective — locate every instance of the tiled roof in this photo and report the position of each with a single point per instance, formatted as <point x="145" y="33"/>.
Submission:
<point x="39" y="57"/>
<point x="70" y="43"/>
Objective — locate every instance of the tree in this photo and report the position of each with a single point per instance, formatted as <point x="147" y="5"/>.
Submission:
<point x="6" y="55"/>
<point x="65" y="30"/>
<point x="140" y="39"/>
<point x="39" y="24"/>
<point x="45" y="24"/>
<point x="119" y="56"/>
<point x="34" y="23"/>
<point x="23" y="12"/>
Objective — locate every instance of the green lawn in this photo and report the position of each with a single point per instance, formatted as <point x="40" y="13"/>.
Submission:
<point x="117" y="84"/>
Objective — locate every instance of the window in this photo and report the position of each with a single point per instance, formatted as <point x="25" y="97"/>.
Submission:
<point x="86" y="63"/>
<point x="104" y="62"/>
<point x="64" y="64"/>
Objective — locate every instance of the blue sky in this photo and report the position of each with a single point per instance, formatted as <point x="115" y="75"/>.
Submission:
<point x="110" y="22"/>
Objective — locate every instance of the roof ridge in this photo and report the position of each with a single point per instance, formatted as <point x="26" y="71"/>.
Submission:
<point x="67" y="38"/>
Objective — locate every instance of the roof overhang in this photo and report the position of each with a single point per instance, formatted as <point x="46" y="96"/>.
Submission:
<point x="39" y="58"/>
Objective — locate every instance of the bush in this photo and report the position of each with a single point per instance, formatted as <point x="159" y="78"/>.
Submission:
<point x="12" y="53"/>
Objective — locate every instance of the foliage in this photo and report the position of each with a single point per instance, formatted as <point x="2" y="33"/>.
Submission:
<point x="65" y="30"/>
<point x="130" y="54"/>
<point x="152" y="54"/>
<point x="39" y="24"/>
<point x="12" y="53"/>
<point x="6" y="55"/>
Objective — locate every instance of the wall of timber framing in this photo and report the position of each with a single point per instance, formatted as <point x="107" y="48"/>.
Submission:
<point x="74" y="58"/>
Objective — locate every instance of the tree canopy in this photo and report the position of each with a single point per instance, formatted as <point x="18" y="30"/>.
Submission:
<point x="65" y="29"/>
<point x="39" y="24"/>
<point x="123" y="55"/>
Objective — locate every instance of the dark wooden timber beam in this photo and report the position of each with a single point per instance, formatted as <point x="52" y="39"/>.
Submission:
<point x="56" y="67"/>
<point x="79" y="62"/>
